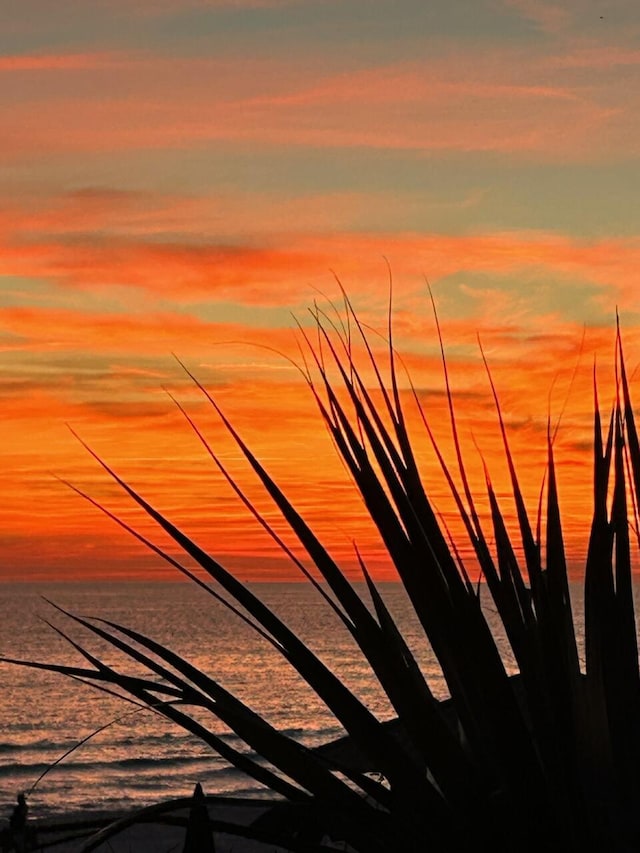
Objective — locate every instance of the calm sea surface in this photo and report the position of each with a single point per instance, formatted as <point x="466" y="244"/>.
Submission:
<point x="141" y="758"/>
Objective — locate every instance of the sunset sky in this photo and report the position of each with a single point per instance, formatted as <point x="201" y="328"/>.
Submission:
<point x="186" y="176"/>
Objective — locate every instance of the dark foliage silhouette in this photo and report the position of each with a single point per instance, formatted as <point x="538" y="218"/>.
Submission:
<point x="544" y="760"/>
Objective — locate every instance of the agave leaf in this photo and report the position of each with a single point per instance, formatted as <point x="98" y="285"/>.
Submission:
<point x="288" y="755"/>
<point x="394" y="475"/>
<point x="145" y="691"/>
<point x="321" y="558"/>
<point x="512" y="600"/>
<point x="529" y="544"/>
<point x="365" y="630"/>
<point x="408" y="469"/>
<point x="420" y="714"/>
<point x="176" y="565"/>
<point x="511" y="596"/>
<point x="501" y="724"/>
<point x="595" y="752"/>
<point x="347" y="708"/>
<point x="526" y="644"/>
<point x="276" y="747"/>
<point x="261" y="520"/>
<point x="362" y="400"/>
<point x="633" y="443"/>
<point x="526" y="763"/>
<point x="454" y="425"/>
<point x="620" y="524"/>
<point x="559" y="600"/>
<point x="91" y="674"/>
<point x="385" y="665"/>
<point x="623" y="585"/>
<point x="622" y="684"/>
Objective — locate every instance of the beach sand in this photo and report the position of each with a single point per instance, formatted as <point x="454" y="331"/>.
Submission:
<point x="68" y="833"/>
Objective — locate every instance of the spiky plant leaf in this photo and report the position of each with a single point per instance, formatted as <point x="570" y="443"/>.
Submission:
<point x="545" y="760"/>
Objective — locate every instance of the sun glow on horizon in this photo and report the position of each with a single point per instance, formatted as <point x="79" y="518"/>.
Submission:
<point x="137" y="429"/>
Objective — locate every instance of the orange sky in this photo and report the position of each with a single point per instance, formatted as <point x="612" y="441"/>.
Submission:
<point x="186" y="176"/>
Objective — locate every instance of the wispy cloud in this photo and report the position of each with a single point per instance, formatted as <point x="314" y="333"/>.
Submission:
<point x="181" y="176"/>
<point x="280" y="272"/>
<point x="451" y="103"/>
<point x="46" y="62"/>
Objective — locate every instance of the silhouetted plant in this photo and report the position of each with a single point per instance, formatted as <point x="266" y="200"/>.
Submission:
<point x="544" y="760"/>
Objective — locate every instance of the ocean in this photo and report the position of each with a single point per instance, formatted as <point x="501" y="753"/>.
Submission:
<point x="139" y="758"/>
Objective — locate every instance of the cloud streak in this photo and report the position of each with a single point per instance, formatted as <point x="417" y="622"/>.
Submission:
<point x="79" y="248"/>
<point x="450" y="103"/>
<point x="184" y="176"/>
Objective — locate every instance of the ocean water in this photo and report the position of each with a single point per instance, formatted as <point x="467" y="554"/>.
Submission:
<point x="139" y="758"/>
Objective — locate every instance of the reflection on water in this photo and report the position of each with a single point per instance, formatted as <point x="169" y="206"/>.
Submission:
<point x="141" y="757"/>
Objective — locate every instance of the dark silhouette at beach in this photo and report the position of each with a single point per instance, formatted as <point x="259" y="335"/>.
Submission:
<point x="18" y="836"/>
<point x="199" y="835"/>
